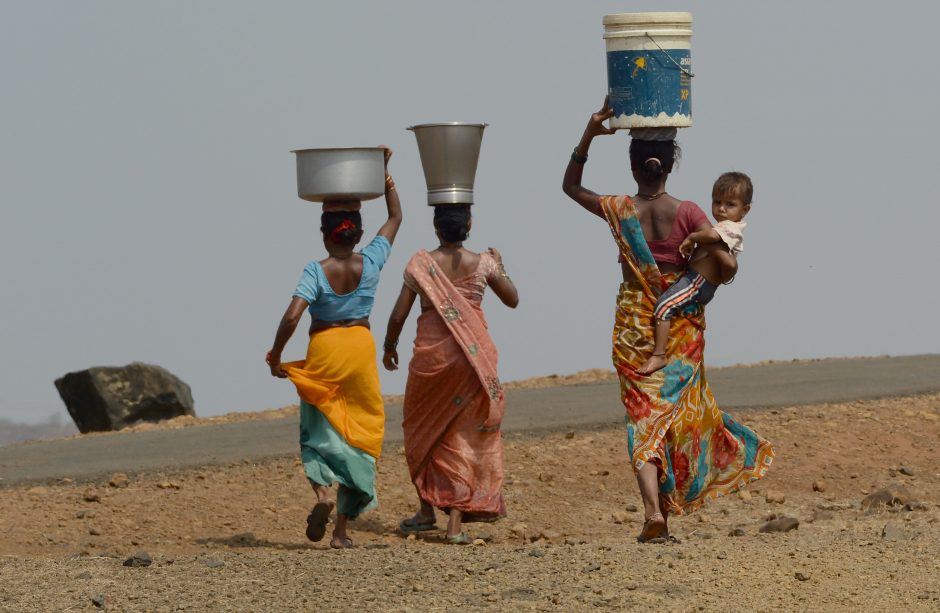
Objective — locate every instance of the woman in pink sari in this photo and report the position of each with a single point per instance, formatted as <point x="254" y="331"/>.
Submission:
<point x="453" y="399"/>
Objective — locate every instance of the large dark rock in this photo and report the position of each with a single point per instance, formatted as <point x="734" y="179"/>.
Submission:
<point x="110" y="398"/>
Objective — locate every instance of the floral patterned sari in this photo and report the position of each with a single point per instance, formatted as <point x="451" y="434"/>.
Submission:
<point x="672" y="418"/>
<point x="454" y="403"/>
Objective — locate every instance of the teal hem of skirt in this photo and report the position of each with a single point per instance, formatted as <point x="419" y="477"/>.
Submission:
<point x="328" y="459"/>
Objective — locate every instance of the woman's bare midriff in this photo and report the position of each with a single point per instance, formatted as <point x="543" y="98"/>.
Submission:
<point x="317" y="325"/>
<point x="664" y="267"/>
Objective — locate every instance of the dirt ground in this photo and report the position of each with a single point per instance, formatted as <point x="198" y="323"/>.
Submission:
<point x="230" y="538"/>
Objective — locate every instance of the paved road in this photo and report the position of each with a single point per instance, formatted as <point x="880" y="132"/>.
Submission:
<point x="765" y="386"/>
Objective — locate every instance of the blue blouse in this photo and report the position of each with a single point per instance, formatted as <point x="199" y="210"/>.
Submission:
<point x="326" y="305"/>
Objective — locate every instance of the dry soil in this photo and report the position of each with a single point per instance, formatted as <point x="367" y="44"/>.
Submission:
<point x="230" y="538"/>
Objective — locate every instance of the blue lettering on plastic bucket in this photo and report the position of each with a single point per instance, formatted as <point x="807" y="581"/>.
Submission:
<point x="648" y="83"/>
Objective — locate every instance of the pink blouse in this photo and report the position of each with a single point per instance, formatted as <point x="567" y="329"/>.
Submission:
<point x="688" y="218"/>
<point x="472" y="286"/>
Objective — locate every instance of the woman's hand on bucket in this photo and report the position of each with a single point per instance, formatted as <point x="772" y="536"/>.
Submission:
<point x="388" y="155"/>
<point x="596" y="125"/>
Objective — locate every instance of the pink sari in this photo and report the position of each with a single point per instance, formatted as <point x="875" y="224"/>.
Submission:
<point x="454" y="403"/>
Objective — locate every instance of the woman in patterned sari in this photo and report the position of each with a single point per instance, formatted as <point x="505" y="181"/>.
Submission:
<point x="682" y="448"/>
<point x="453" y="400"/>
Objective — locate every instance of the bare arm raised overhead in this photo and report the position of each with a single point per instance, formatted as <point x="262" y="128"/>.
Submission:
<point x="390" y="228"/>
<point x="571" y="184"/>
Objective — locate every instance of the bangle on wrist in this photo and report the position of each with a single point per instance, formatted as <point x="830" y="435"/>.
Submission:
<point x="390" y="345"/>
<point x="577" y="158"/>
<point x="389" y="183"/>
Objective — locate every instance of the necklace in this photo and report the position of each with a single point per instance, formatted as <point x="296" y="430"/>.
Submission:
<point x="653" y="197"/>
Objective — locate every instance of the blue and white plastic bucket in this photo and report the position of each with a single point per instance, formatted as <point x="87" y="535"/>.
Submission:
<point x="649" y="69"/>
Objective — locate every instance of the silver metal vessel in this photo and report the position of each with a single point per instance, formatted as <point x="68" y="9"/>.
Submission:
<point x="347" y="173"/>
<point x="449" y="156"/>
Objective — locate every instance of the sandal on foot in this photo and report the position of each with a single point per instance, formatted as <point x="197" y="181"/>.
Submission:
<point x="459" y="539"/>
<point x="412" y="524"/>
<point x="471" y="518"/>
<point x="654" y="527"/>
<point x="316" y="521"/>
<point x="350" y="545"/>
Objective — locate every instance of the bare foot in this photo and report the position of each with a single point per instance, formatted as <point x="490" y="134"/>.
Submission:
<point x="654" y="363"/>
<point x="655" y="527"/>
<point x="317" y="519"/>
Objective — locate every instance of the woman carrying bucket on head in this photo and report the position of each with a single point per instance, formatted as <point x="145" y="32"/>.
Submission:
<point x="453" y="399"/>
<point x="682" y="448"/>
<point x="342" y="416"/>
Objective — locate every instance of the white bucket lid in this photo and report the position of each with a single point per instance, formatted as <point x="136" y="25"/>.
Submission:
<point x="635" y="19"/>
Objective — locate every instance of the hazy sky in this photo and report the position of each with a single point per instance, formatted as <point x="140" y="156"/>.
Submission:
<point x="148" y="194"/>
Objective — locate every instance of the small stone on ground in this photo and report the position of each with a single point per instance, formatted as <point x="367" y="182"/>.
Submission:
<point x="141" y="559"/>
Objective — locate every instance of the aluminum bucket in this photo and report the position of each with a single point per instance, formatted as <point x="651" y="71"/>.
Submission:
<point x="449" y="156"/>
<point x="351" y="173"/>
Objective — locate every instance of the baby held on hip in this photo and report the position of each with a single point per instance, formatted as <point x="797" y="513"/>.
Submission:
<point x="713" y="254"/>
<point x="714" y="250"/>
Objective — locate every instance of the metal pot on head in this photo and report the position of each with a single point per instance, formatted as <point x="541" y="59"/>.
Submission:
<point x="348" y="173"/>
<point x="449" y="156"/>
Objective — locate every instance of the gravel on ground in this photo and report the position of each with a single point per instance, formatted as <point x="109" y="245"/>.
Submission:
<point x="859" y="480"/>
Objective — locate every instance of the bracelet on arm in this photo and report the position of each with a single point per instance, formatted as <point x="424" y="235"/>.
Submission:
<point x="389" y="346"/>
<point x="389" y="183"/>
<point x="577" y="158"/>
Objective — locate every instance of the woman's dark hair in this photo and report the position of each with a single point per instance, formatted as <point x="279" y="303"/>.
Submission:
<point x="653" y="159"/>
<point x="342" y="227"/>
<point x="452" y="222"/>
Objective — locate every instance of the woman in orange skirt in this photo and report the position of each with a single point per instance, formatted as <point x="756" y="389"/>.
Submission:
<point x="342" y="417"/>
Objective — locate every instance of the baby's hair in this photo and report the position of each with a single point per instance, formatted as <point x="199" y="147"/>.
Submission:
<point x="653" y="158"/>
<point x="736" y="183"/>
<point x="343" y="227"/>
<point x="452" y="222"/>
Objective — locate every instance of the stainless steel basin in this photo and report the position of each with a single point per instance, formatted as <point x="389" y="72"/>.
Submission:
<point x="350" y="173"/>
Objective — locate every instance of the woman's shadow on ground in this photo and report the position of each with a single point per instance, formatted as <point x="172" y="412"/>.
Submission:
<point x="249" y="540"/>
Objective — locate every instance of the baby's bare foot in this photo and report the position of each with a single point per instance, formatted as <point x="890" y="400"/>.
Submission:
<point x="654" y="363"/>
